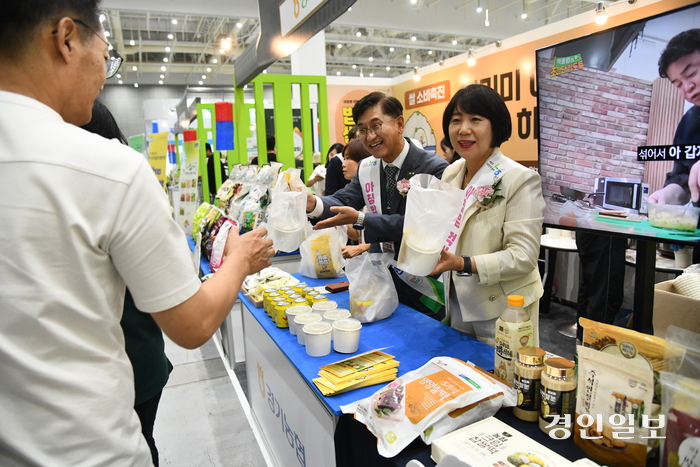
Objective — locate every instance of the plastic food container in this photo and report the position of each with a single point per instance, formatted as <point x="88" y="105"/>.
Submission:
<point x="318" y="338"/>
<point x="303" y="319"/>
<point x="321" y="306"/>
<point x="674" y="217"/>
<point x="293" y="312"/>
<point x="346" y="335"/>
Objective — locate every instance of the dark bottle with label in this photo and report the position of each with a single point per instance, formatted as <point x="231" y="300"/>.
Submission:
<point x="527" y="382"/>
<point x="558" y="392"/>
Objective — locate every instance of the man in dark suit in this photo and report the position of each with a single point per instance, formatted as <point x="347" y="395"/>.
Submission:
<point x="380" y="121"/>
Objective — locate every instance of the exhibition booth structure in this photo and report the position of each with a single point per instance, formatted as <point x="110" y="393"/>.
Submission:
<point x="591" y="115"/>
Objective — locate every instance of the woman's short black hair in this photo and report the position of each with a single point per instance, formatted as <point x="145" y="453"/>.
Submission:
<point x="355" y="151"/>
<point x="478" y="99"/>
<point x="338" y="149"/>
<point x="682" y="44"/>
<point x="391" y="106"/>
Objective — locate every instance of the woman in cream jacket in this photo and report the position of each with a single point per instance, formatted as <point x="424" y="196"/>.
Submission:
<point x="501" y="225"/>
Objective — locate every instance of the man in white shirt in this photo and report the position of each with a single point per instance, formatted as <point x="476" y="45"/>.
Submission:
<point x="83" y="216"/>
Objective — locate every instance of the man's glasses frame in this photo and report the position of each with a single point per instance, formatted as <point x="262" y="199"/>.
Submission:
<point x="374" y="128"/>
<point x="114" y="62"/>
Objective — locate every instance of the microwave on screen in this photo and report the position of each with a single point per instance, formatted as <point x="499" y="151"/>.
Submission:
<point x="628" y="194"/>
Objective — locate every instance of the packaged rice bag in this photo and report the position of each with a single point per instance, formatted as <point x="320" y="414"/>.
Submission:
<point x="635" y="347"/>
<point x="613" y="399"/>
<point x="399" y="412"/>
<point x="484" y="408"/>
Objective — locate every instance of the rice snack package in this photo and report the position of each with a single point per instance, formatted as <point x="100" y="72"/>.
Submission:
<point x="400" y="411"/>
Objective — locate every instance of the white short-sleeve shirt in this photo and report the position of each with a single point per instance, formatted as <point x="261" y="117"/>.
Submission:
<point x="81" y="217"/>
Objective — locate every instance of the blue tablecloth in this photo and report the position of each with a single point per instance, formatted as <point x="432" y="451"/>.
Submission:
<point x="409" y="335"/>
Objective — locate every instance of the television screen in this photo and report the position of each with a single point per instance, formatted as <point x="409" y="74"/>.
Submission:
<point x="600" y="98"/>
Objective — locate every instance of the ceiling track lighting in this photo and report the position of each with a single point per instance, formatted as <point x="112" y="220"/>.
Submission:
<point x="601" y="15"/>
<point x="471" y="61"/>
<point x="478" y="6"/>
<point x="486" y="21"/>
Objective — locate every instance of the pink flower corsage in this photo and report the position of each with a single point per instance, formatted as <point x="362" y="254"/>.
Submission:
<point x="486" y="195"/>
<point x="402" y="186"/>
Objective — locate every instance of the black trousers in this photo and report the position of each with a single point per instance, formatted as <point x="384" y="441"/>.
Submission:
<point x="147" y="414"/>
<point x="602" y="285"/>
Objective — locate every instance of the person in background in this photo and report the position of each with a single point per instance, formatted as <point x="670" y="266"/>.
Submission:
<point x="497" y="249"/>
<point x="88" y="217"/>
<point x="317" y="180"/>
<point x="334" y="169"/>
<point x="448" y="153"/>
<point x="380" y="121"/>
<point x="680" y="63"/>
<point x="271" y="154"/>
<point x="352" y="134"/>
<point x="211" y="176"/>
<point x="143" y="338"/>
<point x="353" y="154"/>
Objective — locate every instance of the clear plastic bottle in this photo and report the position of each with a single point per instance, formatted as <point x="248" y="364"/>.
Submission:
<point x="513" y="331"/>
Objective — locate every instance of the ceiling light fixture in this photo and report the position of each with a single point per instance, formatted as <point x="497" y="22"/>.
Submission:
<point x="214" y="61"/>
<point x="132" y="42"/>
<point x="120" y="82"/>
<point x="222" y="51"/>
<point x="239" y="25"/>
<point x="160" y="81"/>
<point x="102" y="18"/>
<point x="119" y="75"/>
<point x="107" y="33"/>
<point x="478" y="6"/>
<point x="486" y="22"/>
<point x="134" y="68"/>
<point x="162" y="76"/>
<point x="170" y="36"/>
<point x="391" y="49"/>
<point x="208" y="70"/>
<point x="163" y="68"/>
<point x="441" y="62"/>
<point x="413" y="38"/>
<point x="408" y="61"/>
<point x="226" y="43"/>
<point x="526" y="9"/>
<point x="167" y="49"/>
<point x="408" y="56"/>
<point x="388" y="68"/>
<point x="337" y="73"/>
<point x="454" y="41"/>
<point x="371" y="75"/>
<point x="136" y="85"/>
<point x="358" y="34"/>
<point x="413" y="2"/>
<point x="371" y="59"/>
<point x="264" y="72"/>
<point x="174" y="21"/>
<point x="471" y="61"/>
<point x="200" y="82"/>
<point x="430" y="52"/>
<point x="340" y="46"/>
<point x="165" y="59"/>
<point x="416" y="76"/>
<point x="354" y="66"/>
<point x="204" y="76"/>
<point x="600" y="14"/>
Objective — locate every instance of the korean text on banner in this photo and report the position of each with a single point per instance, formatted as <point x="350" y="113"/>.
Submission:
<point x="157" y="154"/>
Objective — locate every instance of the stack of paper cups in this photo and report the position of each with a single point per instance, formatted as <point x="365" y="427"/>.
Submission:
<point x="293" y="312"/>
<point x="303" y="319"/>
<point x="346" y="335"/>
<point x="317" y="337"/>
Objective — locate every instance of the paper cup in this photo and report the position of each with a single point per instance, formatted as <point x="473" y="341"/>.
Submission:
<point x="318" y="338"/>
<point x="322" y="306"/>
<point x="293" y="312"/>
<point x="422" y="259"/>
<point x="303" y="319"/>
<point x="338" y="313"/>
<point x="683" y="258"/>
<point x="346" y="335"/>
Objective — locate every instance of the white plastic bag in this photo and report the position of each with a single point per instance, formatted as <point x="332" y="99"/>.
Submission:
<point x="373" y="296"/>
<point x="321" y="253"/>
<point x="425" y="227"/>
<point x="400" y="411"/>
<point x="287" y="217"/>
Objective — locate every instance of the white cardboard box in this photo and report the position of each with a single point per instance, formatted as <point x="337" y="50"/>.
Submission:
<point x="491" y="441"/>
